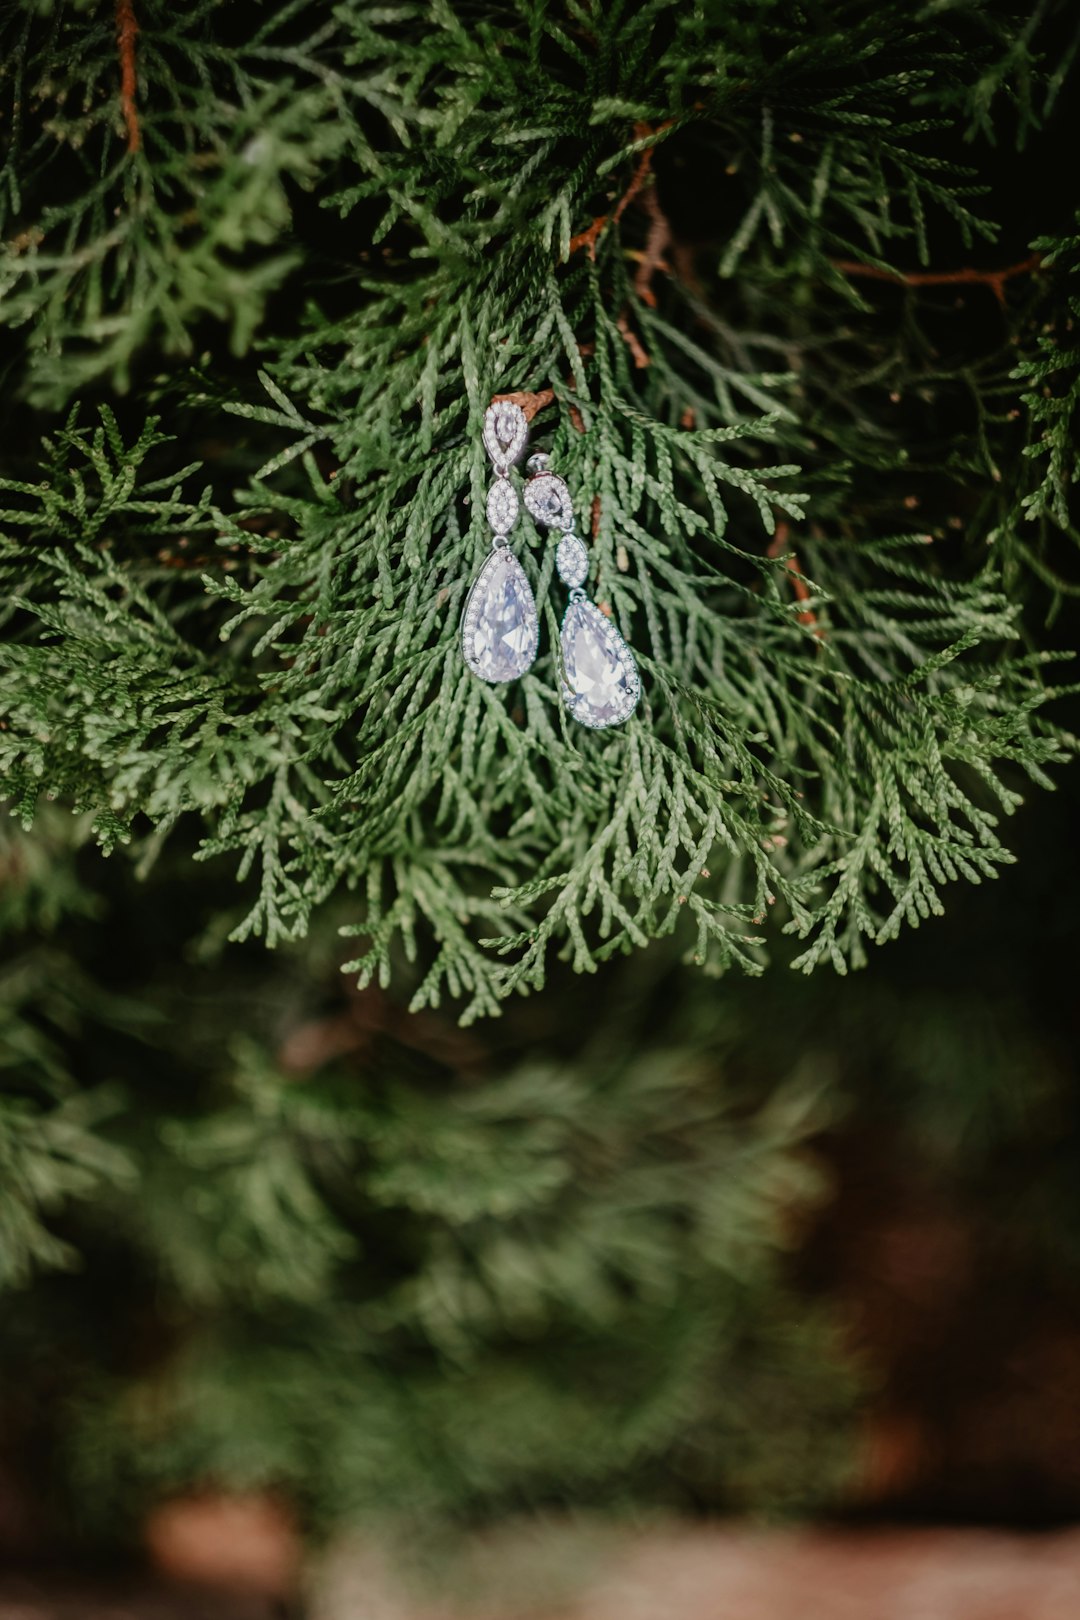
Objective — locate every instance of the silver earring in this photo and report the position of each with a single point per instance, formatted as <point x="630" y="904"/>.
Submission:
<point x="500" y="626"/>
<point x="600" y="685"/>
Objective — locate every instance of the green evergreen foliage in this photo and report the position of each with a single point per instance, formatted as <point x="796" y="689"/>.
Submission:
<point x="1052" y="374"/>
<point x="270" y="643"/>
<point x="800" y="283"/>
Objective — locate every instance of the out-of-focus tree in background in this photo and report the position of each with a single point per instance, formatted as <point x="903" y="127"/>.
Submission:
<point x="524" y="1173"/>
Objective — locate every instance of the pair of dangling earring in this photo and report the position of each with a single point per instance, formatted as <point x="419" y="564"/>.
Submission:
<point x="599" y="681"/>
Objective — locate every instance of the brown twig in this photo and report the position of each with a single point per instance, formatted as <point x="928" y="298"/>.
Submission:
<point x="777" y="546"/>
<point x="530" y="403"/>
<point x="656" y="244"/>
<point x="658" y="239"/>
<point x="589" y="238"/>
<point x="126" y="32"/>
<point x="994" y="279"/>
<point x="641" y="355"/>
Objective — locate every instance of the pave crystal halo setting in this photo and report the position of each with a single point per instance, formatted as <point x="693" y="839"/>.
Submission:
<point x="500" y="626"/>
<point x="500" y="631"/>
<point x="548" y="499"/>
<point x="600" y="685"/>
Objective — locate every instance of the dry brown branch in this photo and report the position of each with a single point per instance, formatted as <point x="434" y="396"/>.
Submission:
<point x="126" y="32"/>
<point x="530" y="403"/>
<point x="589" y="238"/>
<point x="777" y="546"/>
<point x="994" y="279"/>
<point x="656" y="244"/>
<point x="633" y="342"/>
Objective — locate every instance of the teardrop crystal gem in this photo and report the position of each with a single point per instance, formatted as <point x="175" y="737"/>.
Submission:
<point x="500" y="629"/>
<point x="548" y="499"/>
<point x="505" y="432"/>
<point x="600" y="682"/>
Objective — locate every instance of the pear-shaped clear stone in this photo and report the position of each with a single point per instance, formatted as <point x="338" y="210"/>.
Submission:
<point x="500" y="630"/>
<point x="571" y="560"/>
<point x="502" y="506"/>
<point x="600" y="684"/>
<point x="548" y="499"/>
